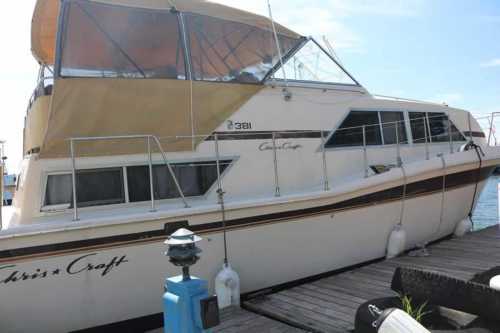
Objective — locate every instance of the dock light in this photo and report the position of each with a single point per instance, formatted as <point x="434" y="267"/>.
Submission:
<point x="182" y="250"/>
<point x="188" y="308"/>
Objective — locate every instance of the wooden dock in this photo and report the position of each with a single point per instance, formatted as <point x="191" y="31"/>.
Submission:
<point x="330" y="304"/>
<point x="237" y="320"/>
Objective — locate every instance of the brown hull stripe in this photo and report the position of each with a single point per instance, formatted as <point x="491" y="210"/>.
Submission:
<point x="266" y="135"/>
<point x="423" y="187"/>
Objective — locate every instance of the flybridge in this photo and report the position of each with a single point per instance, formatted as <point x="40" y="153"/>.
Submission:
<point x="169" y="60"/>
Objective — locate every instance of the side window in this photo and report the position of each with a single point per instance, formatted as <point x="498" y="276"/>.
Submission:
<point x="229" y="51"/>
<point x="102" y="40"/>
<point x="99" y="187"/>
<point x="106" y="186"/>
<point x="380" y="129"/>
<point x="350" y="132"/>
<point x="93" y="188"/>
<point x="195" y="179"/>
<point x="418" y="124"/>
<point x="390" y="122"/>
<point x="58" y="190"/>
<point x="435" y="126"/>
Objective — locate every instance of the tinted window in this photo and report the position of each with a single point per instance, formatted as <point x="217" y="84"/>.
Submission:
<point x="59" y="190"/>
<point x="418" y="121"/>
<point x="229" y="51"/>
<point x="437" y="127"/>
<point x="391" y="121"/>
<point x="350" y="132"/>
<point x="93" y="188"/>
<point x="117" y="41"/>
<point x="195" y="179"/>
<point x="99" y="187"/>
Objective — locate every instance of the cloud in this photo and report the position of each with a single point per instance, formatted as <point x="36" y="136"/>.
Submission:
<point x="491" y="63"/>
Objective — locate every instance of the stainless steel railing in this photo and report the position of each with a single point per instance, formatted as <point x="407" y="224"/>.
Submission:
<point x="358" y="131"/>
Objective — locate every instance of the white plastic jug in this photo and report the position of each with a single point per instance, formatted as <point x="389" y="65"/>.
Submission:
<point x="397" y="242"/>
<point x="227" y="287"/>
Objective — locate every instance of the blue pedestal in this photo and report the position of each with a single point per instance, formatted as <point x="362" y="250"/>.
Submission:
<point x="181" y="304"/>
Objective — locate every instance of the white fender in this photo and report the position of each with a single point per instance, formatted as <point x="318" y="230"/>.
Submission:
<point x="397" y="242"/>
<point x="495" y="282"/>
<point x="227" y="287"/>
<point x="398" y="321"/>
<point x="463" y="227"/>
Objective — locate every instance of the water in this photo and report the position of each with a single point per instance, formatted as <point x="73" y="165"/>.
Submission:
<point x="486" y="212"/>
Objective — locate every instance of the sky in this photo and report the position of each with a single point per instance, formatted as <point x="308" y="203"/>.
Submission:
<point x="435" y="50"/>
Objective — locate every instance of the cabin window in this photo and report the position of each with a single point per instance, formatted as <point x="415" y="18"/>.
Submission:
<point x="58" y="190"/>
<point x="195" y="179"/>
<point x="101" y="40"/>
<point x="93" y="188"/>
<point x="380" y="128"/>
<point x="229" y="51"/>
<point x="312" y="64"/>
<point x="99" y="187"/>
<point x="434" y="126"/>
<point x="393" y="127"/>
<point x="106" y="186"/>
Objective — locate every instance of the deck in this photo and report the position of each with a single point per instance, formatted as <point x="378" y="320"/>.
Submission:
<point x="330" y="304"/>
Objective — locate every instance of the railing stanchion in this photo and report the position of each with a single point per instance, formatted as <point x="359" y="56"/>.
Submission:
<point x="365" y="153"/>
<point x="491" y="128"/>
<point x="73" y="180"/>
<point x="171" y="171"/>
<point x="399" y="162"/>
<point x="426" y="139"/>
<point x="151" y="183"/>
<point x="450" y="133"/>
<point x="217" y="157"/>
<point x="470" y="126"/>
<point x="276" y="177"/>
<point x="325" y="168"/>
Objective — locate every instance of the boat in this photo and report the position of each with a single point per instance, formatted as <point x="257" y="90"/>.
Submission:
<point x="150" y="116"/>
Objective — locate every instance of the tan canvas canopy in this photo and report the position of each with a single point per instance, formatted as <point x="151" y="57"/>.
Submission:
<point x="136" y="67"/>
<point x="44" y="25"/>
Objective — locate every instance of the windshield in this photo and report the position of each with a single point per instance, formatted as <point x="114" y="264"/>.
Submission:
<point x="311" y="63"/>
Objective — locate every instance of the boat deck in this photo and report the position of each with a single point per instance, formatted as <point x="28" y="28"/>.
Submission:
<point x="329" y="304"/>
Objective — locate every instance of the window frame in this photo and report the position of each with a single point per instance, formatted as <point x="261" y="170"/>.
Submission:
<point x="48" y="209"/>
<point x="409" y="133"/>
<point x="427" y="125"/>
<point x="61" y="36"/>
<point x="409" y="138"/>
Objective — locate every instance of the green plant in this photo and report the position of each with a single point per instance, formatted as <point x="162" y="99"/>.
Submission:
<point x="416" y="313"/>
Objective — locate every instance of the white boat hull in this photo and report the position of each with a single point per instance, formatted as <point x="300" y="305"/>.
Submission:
<point x="111" y="283"/>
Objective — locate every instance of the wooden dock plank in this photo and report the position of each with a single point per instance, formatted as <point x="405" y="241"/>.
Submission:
<point x="330" y="304"/>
